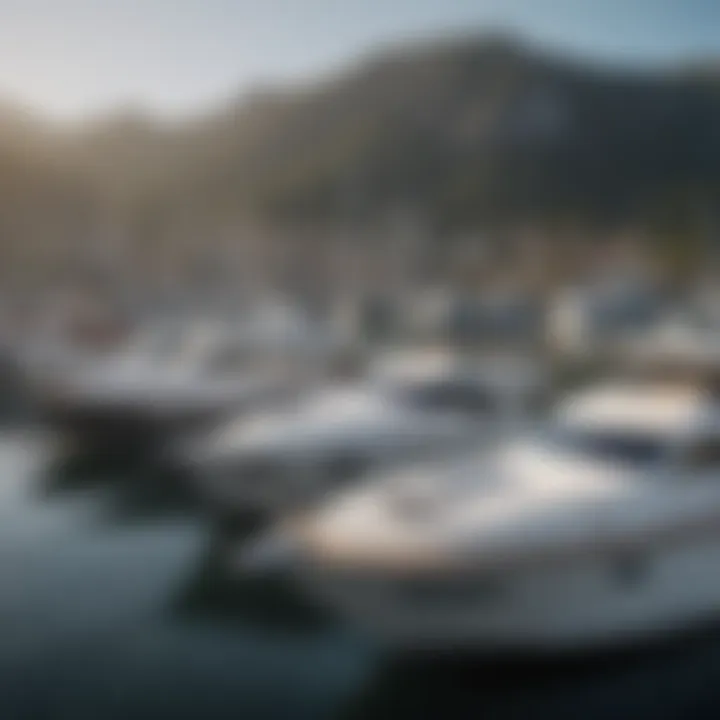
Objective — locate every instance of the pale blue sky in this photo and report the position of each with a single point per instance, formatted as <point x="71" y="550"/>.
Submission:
<point x="73" y="57"/>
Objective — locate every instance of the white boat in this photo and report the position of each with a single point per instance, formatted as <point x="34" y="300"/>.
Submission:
<point x="601" y="531"/>
<point x="406" y="410"/>
<point x="161" y="384"/>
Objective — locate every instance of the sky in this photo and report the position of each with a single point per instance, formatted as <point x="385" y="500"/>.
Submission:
<point x="74" y="58"/>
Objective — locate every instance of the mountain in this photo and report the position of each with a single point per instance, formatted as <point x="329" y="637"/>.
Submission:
<point x="467" y="134"/>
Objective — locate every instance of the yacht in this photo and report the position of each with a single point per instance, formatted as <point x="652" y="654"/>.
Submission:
<point x="408" y="408"/>
<point x="601" y="529"/>
<point x="166" y="381"/>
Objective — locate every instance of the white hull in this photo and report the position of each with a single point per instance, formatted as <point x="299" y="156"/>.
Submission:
<point x="604" y="532"/>
<point x="585" y="603"/>
<point x="304" y="482"/>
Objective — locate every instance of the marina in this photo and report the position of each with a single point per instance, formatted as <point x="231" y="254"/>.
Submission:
<point x="359" y="362"/>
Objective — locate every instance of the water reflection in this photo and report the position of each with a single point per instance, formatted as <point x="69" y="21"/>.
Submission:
<point x="139" y="486"/>
<point x="214" y="592"/>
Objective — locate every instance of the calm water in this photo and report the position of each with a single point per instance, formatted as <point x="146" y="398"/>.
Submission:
<point x="113" y="605"/>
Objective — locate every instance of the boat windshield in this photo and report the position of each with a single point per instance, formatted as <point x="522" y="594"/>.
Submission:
<point x="447" y="394"/>
<point x="633" y="448"/>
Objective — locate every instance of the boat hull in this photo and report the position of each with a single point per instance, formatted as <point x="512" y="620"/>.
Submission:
<point x="302" y="480"/>
<point x="591" y="603"/>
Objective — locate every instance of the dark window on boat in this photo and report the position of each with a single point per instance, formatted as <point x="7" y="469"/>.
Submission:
<point x="345" y="466"/>
<point x="452" y="396"/>
<point x="625" y="448"/>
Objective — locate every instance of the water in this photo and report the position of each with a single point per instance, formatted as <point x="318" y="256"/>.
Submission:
<point x="114" y="604"/>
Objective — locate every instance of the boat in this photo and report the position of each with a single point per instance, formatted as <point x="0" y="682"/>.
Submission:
<point x="164" y="383"/>
<point x="601" y="529"/>
<point x="406" y="409"/>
